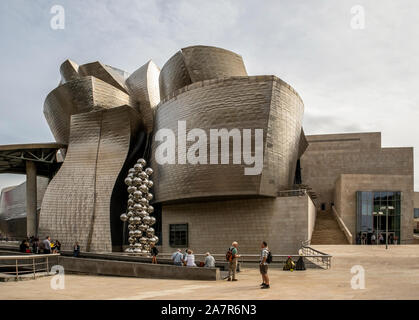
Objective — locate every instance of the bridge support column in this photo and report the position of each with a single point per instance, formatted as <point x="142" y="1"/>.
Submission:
<point x="31" y="200"/>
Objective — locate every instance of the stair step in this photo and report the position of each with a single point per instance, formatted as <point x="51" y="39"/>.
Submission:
<point x="327" y="231"/>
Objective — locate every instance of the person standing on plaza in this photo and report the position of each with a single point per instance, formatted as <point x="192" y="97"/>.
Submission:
<point x="263" y="267"/>
<point x="76" y="249"/>
<point x="209" y="261"/>
<point x="232" y="258"/>
<point x="177" y="257"/>
<point x="373" y="239"/>
<point x="381" y="238"/>
<point x="154" y="253"/>
<point x="47" y="245"/>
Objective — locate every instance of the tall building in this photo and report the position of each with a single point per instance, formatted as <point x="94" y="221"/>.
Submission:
<point x="230" y="158"/>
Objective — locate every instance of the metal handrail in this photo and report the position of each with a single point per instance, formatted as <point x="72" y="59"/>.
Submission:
<point x="292" y="193"/>
<point x="26" y="268"/>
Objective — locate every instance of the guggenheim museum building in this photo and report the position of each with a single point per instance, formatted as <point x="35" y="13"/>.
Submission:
<point x="229" y="156"/>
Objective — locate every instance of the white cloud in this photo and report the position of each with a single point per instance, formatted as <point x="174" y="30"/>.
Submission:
<point x="349" y="79"/>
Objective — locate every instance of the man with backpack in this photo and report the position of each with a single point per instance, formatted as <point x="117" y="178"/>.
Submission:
<point x="232" y="256"/>
<point x="265" y="259"/>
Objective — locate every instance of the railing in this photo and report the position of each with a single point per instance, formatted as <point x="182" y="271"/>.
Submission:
<point x="317" y="257"/>
<point x="342" y="226"/>
<point x="20" y="265"/>
<point x="292" y="193"/>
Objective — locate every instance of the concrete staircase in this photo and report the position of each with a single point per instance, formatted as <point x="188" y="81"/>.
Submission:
<point x="326" y="230"/>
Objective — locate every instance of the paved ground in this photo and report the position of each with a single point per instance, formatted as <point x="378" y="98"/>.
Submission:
<point x="389" y="274"/>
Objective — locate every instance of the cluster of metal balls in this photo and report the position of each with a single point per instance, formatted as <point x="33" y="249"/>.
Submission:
<point x="141" y="234"/>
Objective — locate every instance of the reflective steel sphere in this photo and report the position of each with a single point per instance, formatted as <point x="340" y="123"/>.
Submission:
<point x="138" y="207"/>
<point x="143" y="227"/>
<point x="137" y="220"/>
<point x="138" y="167"/>
<point x="123" y="217"/>
<point x="152" y="221"/>
<point x="143" y="175"/>
<point x="148" y="171"/>
<point x="132" y="170"/>
<point x="128" y="250"/>
<point x="149" y="196"/>
<point x="150" y="209"/>
<point x="143" y="188"/>
<point x="138" y="250"/>
<point x="131" y="220"/>
<point x="131" y="189"/>
<point x="131" y="227"/>
<point x="128" y="181"/>
<point x="131" y="240"/>
<point x="150" y="183"/>
<point x="156" y="238"/>
<point x="138" y="194"/>
<point x="142" y="162"/>
<point x="137" y="233"/>
<point x="143" y="213"/>
<point x="131" y="233"/>
<point x="143" y="240"/>
<point x="129" y="214"/>
<point x="147" y="220"/>
<point x="137" y="181"/>
<point x="130" y="202"/>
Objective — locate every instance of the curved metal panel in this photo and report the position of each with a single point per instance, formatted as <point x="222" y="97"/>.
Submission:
<point x="76" y="205"/>
<point x="69" y="71"/>
<point x="78" y="96"/>
<point x="143" y="87"/>
<point x="105" y="73"/>
<point x="263" y="102"/>
<point x="204" y="63"/>
<point x="173" y="75"/>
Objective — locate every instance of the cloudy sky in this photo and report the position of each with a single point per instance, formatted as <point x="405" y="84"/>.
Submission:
<point x="350" y="79"/>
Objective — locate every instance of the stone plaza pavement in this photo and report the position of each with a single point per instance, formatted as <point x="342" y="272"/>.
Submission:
<point x="389" y="274"/>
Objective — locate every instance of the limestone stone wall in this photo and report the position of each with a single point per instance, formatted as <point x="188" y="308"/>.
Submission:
<point x="345" y="200"/>
<point x="283" y="222"/>
<point x="330" y="155"/>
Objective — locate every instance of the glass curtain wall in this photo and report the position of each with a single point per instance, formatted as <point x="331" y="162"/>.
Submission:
<point x="371" y="215"/>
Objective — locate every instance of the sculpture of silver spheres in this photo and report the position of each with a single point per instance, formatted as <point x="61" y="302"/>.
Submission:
<point x="141" y="234"/>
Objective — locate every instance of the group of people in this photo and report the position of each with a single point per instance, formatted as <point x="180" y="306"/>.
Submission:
<point x="36" y="246"/>
<point x="264" y="260"/>
<point x="188" y="259"/>
<point x="45" y="246"/>
<point x="372" y="238"/>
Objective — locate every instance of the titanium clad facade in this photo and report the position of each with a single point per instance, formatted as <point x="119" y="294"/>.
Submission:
<point x="79" y="96"/>
<point x="198" y="63"/>
<point x="262" y="102"/>
<point x="76" y="205"/>
<point x="143" y="87"/>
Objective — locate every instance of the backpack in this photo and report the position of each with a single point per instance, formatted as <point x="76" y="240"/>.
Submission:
<point x="300" y="264"/>
<point x="229" y="254"/>
<point x="269" y="258"/>
<point x="289" y="265"/>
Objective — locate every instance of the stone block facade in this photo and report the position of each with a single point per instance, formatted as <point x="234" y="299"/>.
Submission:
<point x="283" y="222"/>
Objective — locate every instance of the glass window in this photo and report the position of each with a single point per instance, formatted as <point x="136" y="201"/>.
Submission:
<point x="369" y="202"/>
<point x="178" y="235"/>
<point x="416" y="213"/>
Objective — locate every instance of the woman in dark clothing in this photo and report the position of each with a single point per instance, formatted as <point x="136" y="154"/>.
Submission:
<point x="76" y="250"/>
<point x="154" y="253"/>
<point x="22" y="247"/>
<point x="57" y="246"/>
